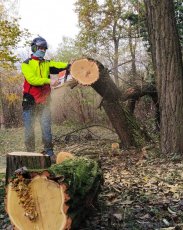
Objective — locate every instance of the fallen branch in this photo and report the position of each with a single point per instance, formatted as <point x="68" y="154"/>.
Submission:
<point x="86" y="127"/>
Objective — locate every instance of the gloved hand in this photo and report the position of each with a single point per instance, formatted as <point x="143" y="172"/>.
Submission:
<point x="69" y="66"/>
<point x="68" y="69"/>
<point x="54" y="83"/>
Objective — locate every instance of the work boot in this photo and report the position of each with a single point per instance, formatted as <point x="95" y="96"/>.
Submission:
<point x="53" y="159"/>
<point x="43" y="152"/>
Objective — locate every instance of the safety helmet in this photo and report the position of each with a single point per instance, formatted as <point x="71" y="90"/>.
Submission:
<point x="39" y="41"/>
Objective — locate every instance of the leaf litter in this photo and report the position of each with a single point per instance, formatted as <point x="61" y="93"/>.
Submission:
<point x="138" y="191"/>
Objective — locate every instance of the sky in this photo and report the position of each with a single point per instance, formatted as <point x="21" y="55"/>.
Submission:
<point x="49" y="19"/>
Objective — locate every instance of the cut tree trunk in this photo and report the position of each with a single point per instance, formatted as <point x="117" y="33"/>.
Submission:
<point x="17" y="160"/>
<point x="126" y="126"/>
<point x="57" y="198"/>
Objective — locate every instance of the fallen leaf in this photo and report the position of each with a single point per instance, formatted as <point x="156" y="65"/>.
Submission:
<point x="118" y="216"/>
<point x="126" y="202"/>
<point x="146" y="216"/>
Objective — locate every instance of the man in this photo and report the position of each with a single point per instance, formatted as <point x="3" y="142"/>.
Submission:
<point x="36" y="95"/>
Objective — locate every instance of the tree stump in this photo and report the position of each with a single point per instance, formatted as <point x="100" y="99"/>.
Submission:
<point x="17" y="160"/>
<point x="55" y="198"/>
<point x="92" y="72"/>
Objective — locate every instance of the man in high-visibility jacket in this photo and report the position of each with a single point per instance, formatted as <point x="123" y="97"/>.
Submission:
<point x="36" y="94"/>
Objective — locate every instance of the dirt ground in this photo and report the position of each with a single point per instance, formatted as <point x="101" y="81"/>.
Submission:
<point x="141" y="190"/>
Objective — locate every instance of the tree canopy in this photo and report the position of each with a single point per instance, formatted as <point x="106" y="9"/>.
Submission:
<point x="10" y="36"/>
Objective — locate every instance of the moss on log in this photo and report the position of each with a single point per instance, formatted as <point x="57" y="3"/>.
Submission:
<point x="83" y="178"/>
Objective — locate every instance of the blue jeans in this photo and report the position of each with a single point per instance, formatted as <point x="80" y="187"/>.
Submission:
<point x="44" y="114"/>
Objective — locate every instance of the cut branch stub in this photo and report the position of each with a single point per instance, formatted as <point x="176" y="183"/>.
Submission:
<point x="85" y="71"/>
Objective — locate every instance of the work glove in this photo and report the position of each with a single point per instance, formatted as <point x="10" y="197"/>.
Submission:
<point x="68" y="69"/>
<point x="54" y="83"/>
<point x="69" y="66"/>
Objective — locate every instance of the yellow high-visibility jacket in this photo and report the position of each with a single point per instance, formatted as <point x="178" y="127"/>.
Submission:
<point x="37" y="77"/>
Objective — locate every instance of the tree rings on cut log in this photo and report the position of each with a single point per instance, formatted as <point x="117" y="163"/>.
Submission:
<point x="48" y="202"/>
<point x="85" y="71"/>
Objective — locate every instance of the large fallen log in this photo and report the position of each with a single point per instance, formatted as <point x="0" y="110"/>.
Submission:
<point x="56" y="198"/>
<point x="91" y="72"/>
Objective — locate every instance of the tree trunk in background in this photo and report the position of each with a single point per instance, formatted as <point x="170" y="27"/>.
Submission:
<point x="116" y="58"/>
<point x="132" y="52"/>
<point x="167" y="60"/>
<point x="1" y="107"/>
<point x="133" y="76"/>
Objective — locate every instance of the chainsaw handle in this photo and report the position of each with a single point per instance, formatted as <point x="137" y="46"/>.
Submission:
<point x="67" y="72"/>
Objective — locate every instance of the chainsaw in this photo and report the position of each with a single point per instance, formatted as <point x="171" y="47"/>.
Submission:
<point x="65" y="79"/>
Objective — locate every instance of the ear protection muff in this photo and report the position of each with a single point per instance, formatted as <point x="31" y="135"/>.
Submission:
<point x="33" y="48"/>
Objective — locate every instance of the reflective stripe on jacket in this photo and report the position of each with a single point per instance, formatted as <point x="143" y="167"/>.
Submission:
<point x="37" y="77"/>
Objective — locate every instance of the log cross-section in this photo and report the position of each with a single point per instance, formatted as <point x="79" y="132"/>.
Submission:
<point x="49" y="198"/>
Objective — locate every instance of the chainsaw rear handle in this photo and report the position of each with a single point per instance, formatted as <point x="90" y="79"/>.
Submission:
<point x="67" y="72"/>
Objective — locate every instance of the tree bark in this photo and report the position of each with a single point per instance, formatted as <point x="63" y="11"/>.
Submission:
<point x="116" y="55"/>
<point x="132" y="47"/>
<point x="2" y="125"/>
<point x="167" y="60"/>
<point x="58" y="197"/>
